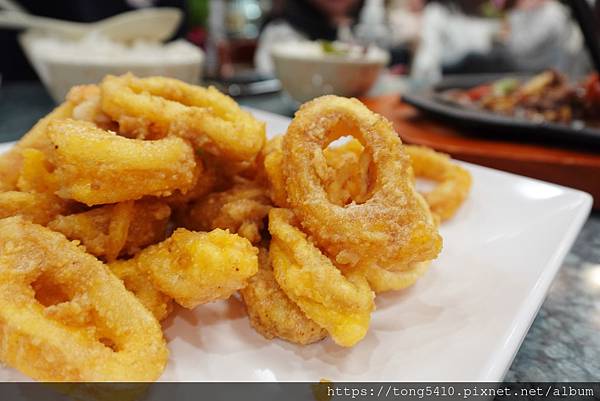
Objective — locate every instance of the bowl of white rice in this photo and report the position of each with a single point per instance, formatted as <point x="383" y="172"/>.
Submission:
<point x="62" y="64"/>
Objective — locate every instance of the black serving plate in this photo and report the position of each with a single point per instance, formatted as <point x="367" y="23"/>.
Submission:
<point x="485" y="123"/>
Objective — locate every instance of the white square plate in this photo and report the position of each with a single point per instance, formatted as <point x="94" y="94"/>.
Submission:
<point x="463" y="321"/>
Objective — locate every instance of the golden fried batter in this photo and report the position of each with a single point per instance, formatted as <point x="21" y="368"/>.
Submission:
<point x="272" y="313"/>
<point x="139" y="284"/>
<point x="120" y="229"/>
<point x="453" y="181"/>
<point x="155" y="107"/>
<point x="90" y="329"/>
<point x="36" y="138"/>
<point x="241" y="209"/>
<point x="340" y="304"/>
<point x="38" y="208"/>
<point x="195" y="268"/>
<point x="94" y="166"/>
<point x="391" y="227"/>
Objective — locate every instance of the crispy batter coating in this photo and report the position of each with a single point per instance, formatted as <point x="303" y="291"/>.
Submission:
<point x="342" y="304"/>
<point x="119" y="229"/>
<point x="453" y="181"/>
<point x="139" y="284"/>
<point x="195" y="268"/>
<point x="382" y="280"/>
<point x="38" y="208"/>
<point x="35" y="175"/>
<point x="272" y="313"/>
<point x="277" y="191"/>
<point x="241" y="209"/>
<point x="87" y="106"/>
<point x="65" y="317"/>
<point x="205" y="180"/>
<point x="156" y="106"/>
<point x="94" y="166"/>
<point x="36" y="138"/>
<point x="391" y="227"/>
<point x="350" y="178"/>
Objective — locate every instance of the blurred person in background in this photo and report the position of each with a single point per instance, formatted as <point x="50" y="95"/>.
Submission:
<point x="476" y="36"/>
<point x="304" y="20"/>
<point x="405" y="28"/>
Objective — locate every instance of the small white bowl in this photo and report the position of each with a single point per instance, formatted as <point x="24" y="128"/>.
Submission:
<point x="61" y="73"/>
<point x="306" y="72"/>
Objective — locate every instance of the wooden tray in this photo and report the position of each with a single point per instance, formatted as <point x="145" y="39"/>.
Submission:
<point x="573" y="167"/>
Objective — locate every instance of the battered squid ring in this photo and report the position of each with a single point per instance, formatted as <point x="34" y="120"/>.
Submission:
<point x="340" y="303"/>
<point x="156" y="106"/>
<point x="65" y="317"/>
<point x="393" y="226"/>
<point x="453" y="181"/>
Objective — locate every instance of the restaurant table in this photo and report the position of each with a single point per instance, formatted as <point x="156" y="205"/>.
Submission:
<point x="563" y="343"/>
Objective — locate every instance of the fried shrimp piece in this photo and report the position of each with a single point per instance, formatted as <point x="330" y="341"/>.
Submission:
<point x="94" y="166"/>
<point x="65" y="317"/>
<point x="272" y="313"/>
<point x="453" y="181"/>
<point x="195" y="268"/>
<point x="242" y="209"/>
<point x="341" y="304"/>
<point x="390" y="228"/>
<point x="119" y="229"/>
<point x="38" y="208"/>
<point x="139" y="284"/>
<point x="155" y="107"/>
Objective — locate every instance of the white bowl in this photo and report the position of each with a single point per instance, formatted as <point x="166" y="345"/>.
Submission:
<point x="306" y="72"/>
<point x="59" y="74"/>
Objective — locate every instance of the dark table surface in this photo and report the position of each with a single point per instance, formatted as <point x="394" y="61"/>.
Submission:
<point x="562" y="344"/>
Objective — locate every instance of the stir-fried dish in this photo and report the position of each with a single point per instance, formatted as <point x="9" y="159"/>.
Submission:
<point x="548" y="96"/>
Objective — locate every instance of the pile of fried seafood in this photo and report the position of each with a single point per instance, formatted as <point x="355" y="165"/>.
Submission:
<point x="138" y="194"/>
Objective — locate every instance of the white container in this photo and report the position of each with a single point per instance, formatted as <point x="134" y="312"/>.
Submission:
<point x="69" y="65"/>
<point x="306" y="72"/>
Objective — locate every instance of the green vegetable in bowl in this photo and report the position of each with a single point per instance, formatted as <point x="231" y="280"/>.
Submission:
<point x="504" y="86"/>
<point x="328" y="47"/>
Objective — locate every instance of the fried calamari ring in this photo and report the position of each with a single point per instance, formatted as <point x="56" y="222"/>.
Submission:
<point x="272" y="313"/>
<point x="65" y="317"/>
<point x="391" y="227"/>
<point x="139" y="284"/>
<point x="154" y="107"/>
<point x="276" y="180"/>
<point x="94" y="166"/>
<point x="195" y="268"/>
<point x="340" y="304"/>
<point x="120" y="229"/>
<point x="453" y="181"/>
<point x="240" y="209"/>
